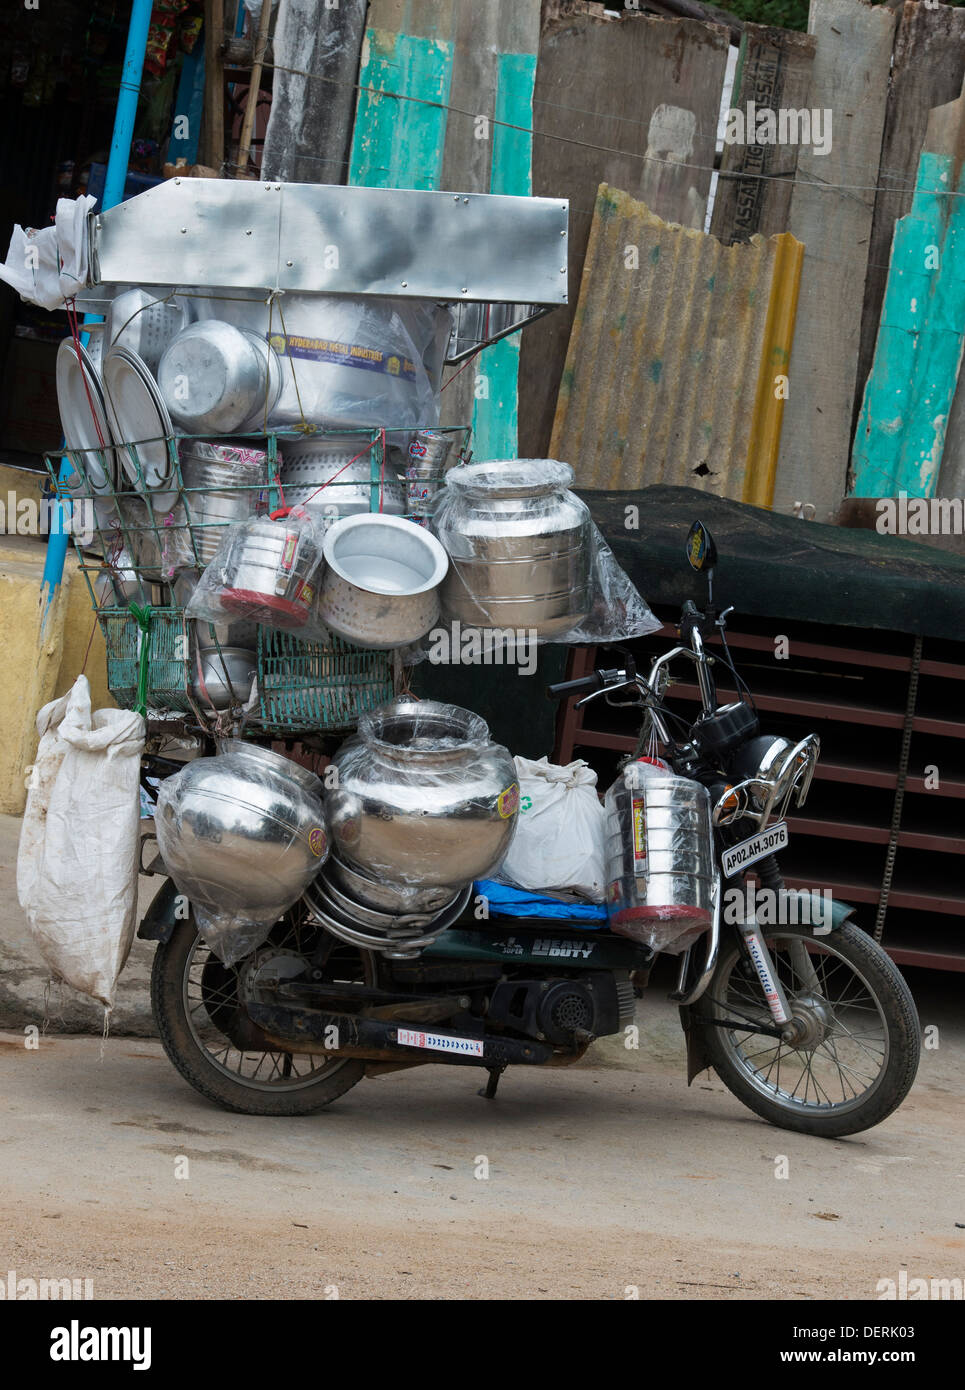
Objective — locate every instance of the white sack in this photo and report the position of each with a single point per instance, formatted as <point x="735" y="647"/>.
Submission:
<point x="78" y="858"/>
<point x="48" y="265"/>
<point x="559" y="844"/>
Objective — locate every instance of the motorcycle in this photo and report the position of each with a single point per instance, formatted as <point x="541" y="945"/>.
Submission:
<point x="806" y="1020"/>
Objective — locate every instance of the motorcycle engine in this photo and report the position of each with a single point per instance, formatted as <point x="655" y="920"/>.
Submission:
<point x="565" y="1011"/>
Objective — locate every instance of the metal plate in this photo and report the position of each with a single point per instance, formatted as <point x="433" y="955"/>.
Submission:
<point x="84" y="420"/>
<point x="741" y="856"/>
<point x="402" y="242"/>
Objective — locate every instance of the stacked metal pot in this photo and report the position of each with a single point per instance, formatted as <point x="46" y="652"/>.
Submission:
<point x="424" y="804"/>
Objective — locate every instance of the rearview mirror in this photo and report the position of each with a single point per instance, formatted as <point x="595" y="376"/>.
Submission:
<point x="701" y="550"/>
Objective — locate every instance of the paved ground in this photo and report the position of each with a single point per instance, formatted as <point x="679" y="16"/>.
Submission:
<point x="600" y="1178"/>
<point x="608" y="1177"/>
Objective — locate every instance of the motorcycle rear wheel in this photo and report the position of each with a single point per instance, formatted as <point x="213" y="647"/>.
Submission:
<point x="198" y="1012"/>
<point x="861" y="1056"/>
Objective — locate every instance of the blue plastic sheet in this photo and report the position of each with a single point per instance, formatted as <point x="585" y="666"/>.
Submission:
<point x="516" y="902"/>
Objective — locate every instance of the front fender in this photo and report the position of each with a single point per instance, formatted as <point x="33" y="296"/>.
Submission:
<point x="807" y="907"/>
<point x="162" y="916"/>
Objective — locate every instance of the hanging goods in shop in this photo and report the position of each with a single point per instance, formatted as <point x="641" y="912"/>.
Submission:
<point x="659" y="856"/>
<point x="242" y="834"/>
<point x="520" y="546"/>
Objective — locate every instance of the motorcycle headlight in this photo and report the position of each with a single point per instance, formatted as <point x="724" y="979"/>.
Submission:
<point x="776" y="768"/>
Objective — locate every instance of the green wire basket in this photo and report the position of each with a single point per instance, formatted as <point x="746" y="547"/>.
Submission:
<point x="304" y="685"/>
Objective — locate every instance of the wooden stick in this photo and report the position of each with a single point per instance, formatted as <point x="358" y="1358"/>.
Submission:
<point x="251" y="105"/>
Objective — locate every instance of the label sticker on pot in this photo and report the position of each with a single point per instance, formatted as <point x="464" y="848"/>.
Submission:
<point x="507" y="803"/>
<point x="639" y="834"/>
<point x="316" y="840"/>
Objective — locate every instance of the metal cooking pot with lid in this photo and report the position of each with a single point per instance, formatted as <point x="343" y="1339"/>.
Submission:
<point x="520" y="546"/>
<point x="424" y="797"/>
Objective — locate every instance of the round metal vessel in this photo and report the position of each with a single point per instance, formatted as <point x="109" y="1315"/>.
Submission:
<point x="224" y="484"/>
<point x="326" y="476"/>
<point x="224" y="677"/>
<point x="243" y="831"/>
<point x="424" y="799"/>
<point x="365" y="890"/>
<point x="267" y="572"/>
<point x="519" y="543"/>
<point x="659" y="858"/>
<point x="380" y="586"/>
<point x="215" y="377"/>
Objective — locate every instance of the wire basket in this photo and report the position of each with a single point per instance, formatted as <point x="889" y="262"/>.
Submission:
<point x="168" y="666"/>
<point x="304" y="685"/>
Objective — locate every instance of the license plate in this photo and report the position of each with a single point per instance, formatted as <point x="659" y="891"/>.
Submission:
<point x="441" y="1042"/>
<point x="748" y="852"/>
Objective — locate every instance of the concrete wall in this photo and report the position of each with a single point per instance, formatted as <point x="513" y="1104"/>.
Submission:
<point x="37" y="666"/>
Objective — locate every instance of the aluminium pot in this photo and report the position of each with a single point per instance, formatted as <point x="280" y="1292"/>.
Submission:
<point x="381" y="581"/>
<point x="424" y="798"/>
<point x="243" y="831"/>
<point x="520" y="546"/>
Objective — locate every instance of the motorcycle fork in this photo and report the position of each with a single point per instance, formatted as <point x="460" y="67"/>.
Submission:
<point x="760" y="958"/>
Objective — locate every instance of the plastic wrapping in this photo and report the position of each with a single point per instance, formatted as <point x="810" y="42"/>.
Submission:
<point x="242" y="834"/>
<point x="77" y="861"/>
<point x="560" y="844"/>
<point x="659" y="856"/>
<point x="424" y="798"/>
<point x="265" y="571"/>
<point x="224" y="484"/>
<point x="527" y="561"/>
<point x="347" y="362"/>
<point x="506" y="901"/>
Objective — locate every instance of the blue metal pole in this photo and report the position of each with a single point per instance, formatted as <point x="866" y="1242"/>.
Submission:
<point x="114" y="180"/>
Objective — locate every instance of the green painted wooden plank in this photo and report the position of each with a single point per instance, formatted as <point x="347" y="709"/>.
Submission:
<point x="398" y="143"/>
<point x="496" y="417"/>
<point x="904" y="415"/>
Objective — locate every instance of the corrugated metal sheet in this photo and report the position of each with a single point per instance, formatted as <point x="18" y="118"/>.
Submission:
<point x="675" y="350"/>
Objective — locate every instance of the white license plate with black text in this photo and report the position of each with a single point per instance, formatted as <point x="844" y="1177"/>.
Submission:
<point x="765" y="842"/>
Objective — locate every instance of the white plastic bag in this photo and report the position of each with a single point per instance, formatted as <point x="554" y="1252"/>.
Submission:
<point x="78" y="858"/>
<point x="48" y="265"/>
<point x="559" y="844"/>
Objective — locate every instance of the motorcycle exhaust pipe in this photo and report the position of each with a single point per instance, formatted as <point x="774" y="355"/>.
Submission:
<point x="378" y="1040"/>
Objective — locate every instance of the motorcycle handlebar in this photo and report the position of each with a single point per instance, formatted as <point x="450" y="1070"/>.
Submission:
<point x="583" y="686"/>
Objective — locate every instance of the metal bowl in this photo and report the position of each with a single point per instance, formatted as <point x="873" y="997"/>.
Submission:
<point x="380" y="587"/>
<point x="365" y="889"/>
<point x="214" y="377"/>
<point x="224" y="677"/>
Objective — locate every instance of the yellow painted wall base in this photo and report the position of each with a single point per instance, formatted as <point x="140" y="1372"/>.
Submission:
<point x="35" y="668"/>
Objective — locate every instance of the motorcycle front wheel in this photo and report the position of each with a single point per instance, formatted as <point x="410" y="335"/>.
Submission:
<point x="198" y="1005"/>
<point x="859" y="1045"/>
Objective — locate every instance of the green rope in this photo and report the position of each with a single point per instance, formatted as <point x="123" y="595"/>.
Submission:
<point x="142" y="616"/>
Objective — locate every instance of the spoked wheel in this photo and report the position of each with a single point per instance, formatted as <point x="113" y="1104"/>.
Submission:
<point x="857" y="1036"/>
<point x="198" y="1005"/>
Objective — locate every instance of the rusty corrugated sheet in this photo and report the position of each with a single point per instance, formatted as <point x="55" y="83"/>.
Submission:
<point x="676" y="344"/>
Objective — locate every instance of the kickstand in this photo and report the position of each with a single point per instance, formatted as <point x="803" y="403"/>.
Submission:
<point x="488" y="1092"/>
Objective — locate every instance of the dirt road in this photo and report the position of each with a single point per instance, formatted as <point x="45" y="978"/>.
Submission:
<point x="600" y="1180"/>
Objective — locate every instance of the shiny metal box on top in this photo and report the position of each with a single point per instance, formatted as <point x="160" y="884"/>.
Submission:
<point x="330" y="239"/>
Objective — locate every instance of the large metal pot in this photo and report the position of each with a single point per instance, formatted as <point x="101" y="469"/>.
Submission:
<point x="224" y="484"/>
<point x="424" y="799"/>
<point x="215" y="378"/>
<point x="242" y="832"/>
<point x="520" y="546"/>
<point x="659" y="857"/>
<point x="375" y="893"/>
<point x="381" y="582"/>
<point x="326" y="475"/>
